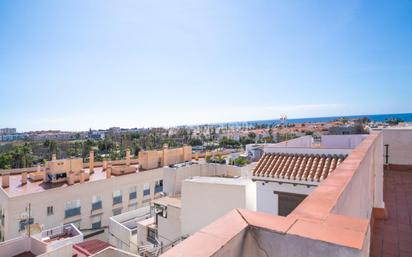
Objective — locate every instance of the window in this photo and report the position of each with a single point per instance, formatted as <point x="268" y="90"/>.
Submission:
<point x="50" y="210"/>
<point x="96" y="202"/>
<point x="159" y="186"/>
<point x="117" y="197"/>
<point x="132" y="193"/>
<point x="146" y="189"/>
<point x="71" y="208"/>
<point x="96" y="222"/>
<point x="117" y="211"/>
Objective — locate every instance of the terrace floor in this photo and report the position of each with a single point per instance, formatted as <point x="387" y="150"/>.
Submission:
<point x="393" y="237"/>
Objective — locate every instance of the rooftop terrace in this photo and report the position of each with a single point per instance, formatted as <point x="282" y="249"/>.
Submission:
<point x="332" y="221"/>
<point x="17" y="189"/>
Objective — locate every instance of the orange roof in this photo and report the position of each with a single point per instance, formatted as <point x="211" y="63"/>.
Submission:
<point x="308" y="167"/>
<point x="89" y="247"/>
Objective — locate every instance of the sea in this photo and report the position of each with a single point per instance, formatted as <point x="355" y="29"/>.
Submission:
<point x="406" y="117"/>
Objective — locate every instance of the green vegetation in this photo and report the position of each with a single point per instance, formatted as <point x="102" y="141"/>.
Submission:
<point x="394" y="121"/>
<point x="240" y="161"/>
<point x="20" y="156"/>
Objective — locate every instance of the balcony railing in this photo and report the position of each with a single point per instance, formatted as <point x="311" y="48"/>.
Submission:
<point x="96" y="205"/>
<point x="117" y="200"/>
<point x="158" y="189"/>
<point x="71" y="212"/>
<point x="132" y="195"/>
<point x="146" y="192"/>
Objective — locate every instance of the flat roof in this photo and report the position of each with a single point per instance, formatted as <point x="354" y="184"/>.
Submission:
<point x="17" y="189"/>
<point x="221" y="180"/>
<point x="166" y="201"/>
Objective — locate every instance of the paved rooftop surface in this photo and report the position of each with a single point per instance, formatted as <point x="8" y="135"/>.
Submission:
<point x="393" y="237"/>
<point x="17" y="189"/>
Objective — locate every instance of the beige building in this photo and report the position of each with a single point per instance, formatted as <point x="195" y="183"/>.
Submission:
<point x="64" y="192"/>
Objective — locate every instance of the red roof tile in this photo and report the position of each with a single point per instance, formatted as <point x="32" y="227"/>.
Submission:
<point x="89" y="247"/>
<point x="308" y="167"/>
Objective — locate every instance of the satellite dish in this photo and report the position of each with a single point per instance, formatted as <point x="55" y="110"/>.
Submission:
<point x="24" y="216"/>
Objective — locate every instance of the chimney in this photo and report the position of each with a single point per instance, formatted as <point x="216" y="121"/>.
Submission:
<point x="165" y="160"/>
<point x="91" y="161"/>
<point x="70" y="180"/>
<point x="104" y="164"/>
<point x="128" y="157"/>
<point x="109" y="171"/>
<point x="82" y="177"/>
<point x="24" y="178"/>
<point x="5" y="180"/>
<point x="54" y="157"/>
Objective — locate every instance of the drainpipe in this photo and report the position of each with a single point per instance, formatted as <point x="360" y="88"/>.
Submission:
<point x="386" y="153"/>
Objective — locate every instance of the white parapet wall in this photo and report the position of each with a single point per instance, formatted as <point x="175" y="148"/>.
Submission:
<point x="341" y="141"/>
<point x="120" y="235"/>
<point x="173" y="177"/>
<point x="205" y="199"/>
<point x="399" y="141"/>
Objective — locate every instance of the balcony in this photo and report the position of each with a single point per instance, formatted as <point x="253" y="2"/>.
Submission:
<point x="71" y="212"/>
<point x="97" y="205"/>
<point x="117" y="200"/>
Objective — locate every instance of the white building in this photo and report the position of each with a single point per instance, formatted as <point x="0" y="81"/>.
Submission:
<point x="55" y="242"/>
<point x="205" y="199"/>
<point x="86" y="203"/>
<point x="289" y="171"/>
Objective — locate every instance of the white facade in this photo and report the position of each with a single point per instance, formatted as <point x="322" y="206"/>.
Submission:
<point x="399" y="141"/>
<point x="56" y="242"/>
<point x="123" y="228"/>
<point x="48" y="205"/>
<point x="268" y="198"/>
<point x="204" y="199"/>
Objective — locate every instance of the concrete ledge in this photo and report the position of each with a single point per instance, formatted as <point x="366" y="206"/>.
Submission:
<point x="398" y="167"/>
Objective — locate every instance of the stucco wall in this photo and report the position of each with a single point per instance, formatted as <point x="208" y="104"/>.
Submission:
<point x="400" y="145"/>
<point x="169" y="229"/>
<point x="267" y="200"/>
<point x="202" y="203"/>
<point x="173" y="177"/>
<point x="57" y="198"/>
<point x="341" y="141"/>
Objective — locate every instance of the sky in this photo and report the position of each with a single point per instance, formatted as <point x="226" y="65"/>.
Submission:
<point x="80" y="64"/>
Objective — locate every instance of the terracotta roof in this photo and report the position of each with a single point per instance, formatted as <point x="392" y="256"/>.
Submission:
<point x="307" y="167"/>
<point x="89" y="247"/>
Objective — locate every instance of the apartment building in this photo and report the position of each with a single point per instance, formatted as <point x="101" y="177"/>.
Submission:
<point x="197" y="193"/>
<point x="63" y="192"/>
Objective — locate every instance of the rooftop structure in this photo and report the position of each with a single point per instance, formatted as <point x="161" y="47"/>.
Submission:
<point x="332" y="220"/>
<point x="57" y="241"/>
<point x="89" y="248"/>
<point x="85" y="194"/>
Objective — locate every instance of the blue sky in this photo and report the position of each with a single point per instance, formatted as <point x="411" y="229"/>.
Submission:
<point x="74" y="65"/>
